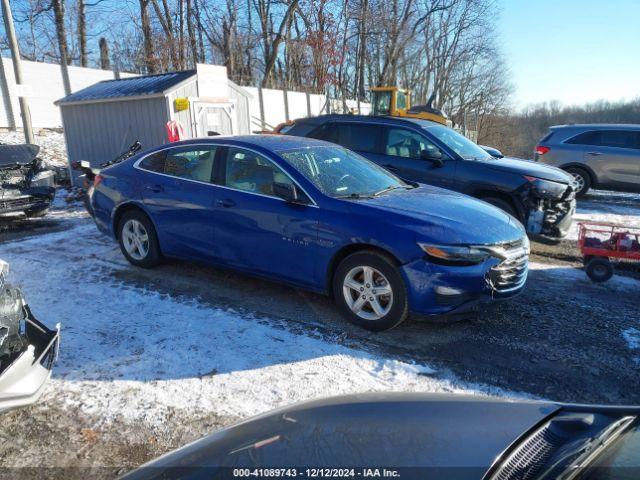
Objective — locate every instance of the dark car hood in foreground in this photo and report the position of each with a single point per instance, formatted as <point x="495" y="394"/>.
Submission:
<point x="529" y="168"/>
<point x="453" y="216"/>
<point x="18" y="154"/>
<point x="452" y="436"/>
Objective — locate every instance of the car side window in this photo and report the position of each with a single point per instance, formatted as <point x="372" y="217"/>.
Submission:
<point x="191" y="163"/>
<point x="586" y="138"/>
<point x="607" y="138"/>
<point x="361" y="137"/>
<point x="251" y="172"/>
<point x="327" y="132"/>
<point x="618" y="138"/>
<point x="154" y="162"/>
<point x="400" y="142"/>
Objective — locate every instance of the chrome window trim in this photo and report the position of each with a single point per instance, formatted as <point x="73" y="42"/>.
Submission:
<point x="137" y="166"/>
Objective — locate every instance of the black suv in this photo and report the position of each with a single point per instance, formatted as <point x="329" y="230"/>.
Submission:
<point x="541" y="197"/>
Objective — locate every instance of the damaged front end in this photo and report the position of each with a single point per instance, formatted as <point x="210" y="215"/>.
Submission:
<point x="549" y="208"/>
<point x="28" y="348"/>
<point x="26" y="184"/>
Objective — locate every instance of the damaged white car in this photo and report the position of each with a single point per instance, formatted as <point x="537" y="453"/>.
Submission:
<point x="27" y="185"/>
<point x="28" y="348"/>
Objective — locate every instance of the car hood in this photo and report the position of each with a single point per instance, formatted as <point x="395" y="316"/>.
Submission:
<point x="17" y="154"/>
<point x="442" y="213"/>
<point x="527" y="167"/>
<point x="430" y="431"/>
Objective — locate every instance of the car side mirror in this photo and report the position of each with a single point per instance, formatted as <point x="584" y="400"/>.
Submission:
<point x="286" y="191"/>
<point x="433" y="156"/>
<point x="494" y="152"/>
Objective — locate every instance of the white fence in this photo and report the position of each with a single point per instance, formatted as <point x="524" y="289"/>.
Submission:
<point x="267" y="108"/>
<point x="270" y="107"/>
<point x="44" y="81"/>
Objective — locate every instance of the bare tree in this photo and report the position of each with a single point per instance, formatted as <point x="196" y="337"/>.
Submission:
<point x="145" y="22"/>
<point x="105" y="64"/>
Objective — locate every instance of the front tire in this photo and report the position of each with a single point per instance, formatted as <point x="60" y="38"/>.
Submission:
<point x="138" y="239"/>
<point x="370" y="292"/>
<point x="582" y="178"/>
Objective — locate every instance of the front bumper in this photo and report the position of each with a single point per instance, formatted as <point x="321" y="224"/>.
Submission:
<point x="39" y="198"/>
<point x="550" y="219"/>
<point x="438" y="290"/>
<point x="24" y="374"/>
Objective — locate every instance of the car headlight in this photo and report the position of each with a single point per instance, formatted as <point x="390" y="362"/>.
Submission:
<point x="526" y="245"/>
<point x="546" y="188"/>
<point x="455" y="254"/>
<point x="44" y="178"/>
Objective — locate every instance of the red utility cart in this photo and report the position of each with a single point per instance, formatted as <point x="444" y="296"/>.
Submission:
<point x="600" y="241"/>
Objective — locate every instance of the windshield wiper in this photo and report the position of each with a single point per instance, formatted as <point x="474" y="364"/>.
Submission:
<point x="587" y="452"/>
<point x="355" y="196"/>
<point x="391" y="187"/>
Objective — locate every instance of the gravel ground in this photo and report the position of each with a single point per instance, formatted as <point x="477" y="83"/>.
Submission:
<point x="562" y="339"/>
<point x="565" y="338"/>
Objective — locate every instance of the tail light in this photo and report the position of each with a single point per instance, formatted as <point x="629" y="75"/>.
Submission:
<point x="97" y="180"/>
<point x="541" y="149"/>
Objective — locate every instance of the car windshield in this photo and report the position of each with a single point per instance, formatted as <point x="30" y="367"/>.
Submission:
<point x="459" y="143"/>
<point x="338" y="172"/>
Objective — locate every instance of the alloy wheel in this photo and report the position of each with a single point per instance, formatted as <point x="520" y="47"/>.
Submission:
<point x="367" y="292"/>
<point x="579" y="181"/>
<point x="135" y="239"/>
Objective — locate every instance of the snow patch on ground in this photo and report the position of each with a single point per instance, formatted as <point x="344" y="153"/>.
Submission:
<point x="617" y="282"/>
<point x="134" y="353"/>
<point x="627" y="216"/>
<point x="632" y="336"/>
<point x="53" y="149"/>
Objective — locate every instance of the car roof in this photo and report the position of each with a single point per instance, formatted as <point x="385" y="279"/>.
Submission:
<point x="274" y="143"/>
<point x="380" y="119"/>
<point x="598" y="126"/>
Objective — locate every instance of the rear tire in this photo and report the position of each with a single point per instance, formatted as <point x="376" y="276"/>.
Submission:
<point x="582" y="177"/>
<point x="138" y="239"/>
<point x="599" y="269"/>
<point x="370" y="292"/>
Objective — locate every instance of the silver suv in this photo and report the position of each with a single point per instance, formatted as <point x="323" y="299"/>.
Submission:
<point x="599" y="156"/>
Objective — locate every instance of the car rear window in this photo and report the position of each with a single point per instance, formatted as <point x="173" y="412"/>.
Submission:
<point x="547" y="137"/>
<point x="360" y="137"/>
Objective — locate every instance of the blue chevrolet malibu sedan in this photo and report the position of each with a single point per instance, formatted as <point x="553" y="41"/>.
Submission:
<point x="316" y="216"/>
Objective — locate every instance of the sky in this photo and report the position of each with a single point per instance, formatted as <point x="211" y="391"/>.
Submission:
<point x="573" y="51"/>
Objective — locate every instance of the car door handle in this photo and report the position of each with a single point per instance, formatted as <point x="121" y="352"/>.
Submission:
<point x="226" y="203"/>
<point x="391" y="167"/>
<point x="595" y="154"/>
<point x="154" y="188"/>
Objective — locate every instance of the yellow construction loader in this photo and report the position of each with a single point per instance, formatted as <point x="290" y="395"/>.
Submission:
<point x="396" y="102"/>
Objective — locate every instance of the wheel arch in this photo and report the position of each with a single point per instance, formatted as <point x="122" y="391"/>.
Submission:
<point x="518" y="207"/>
<point x="124" y="208"/>
<point x="592" y="175"/>
<point x="349" y="249"/>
